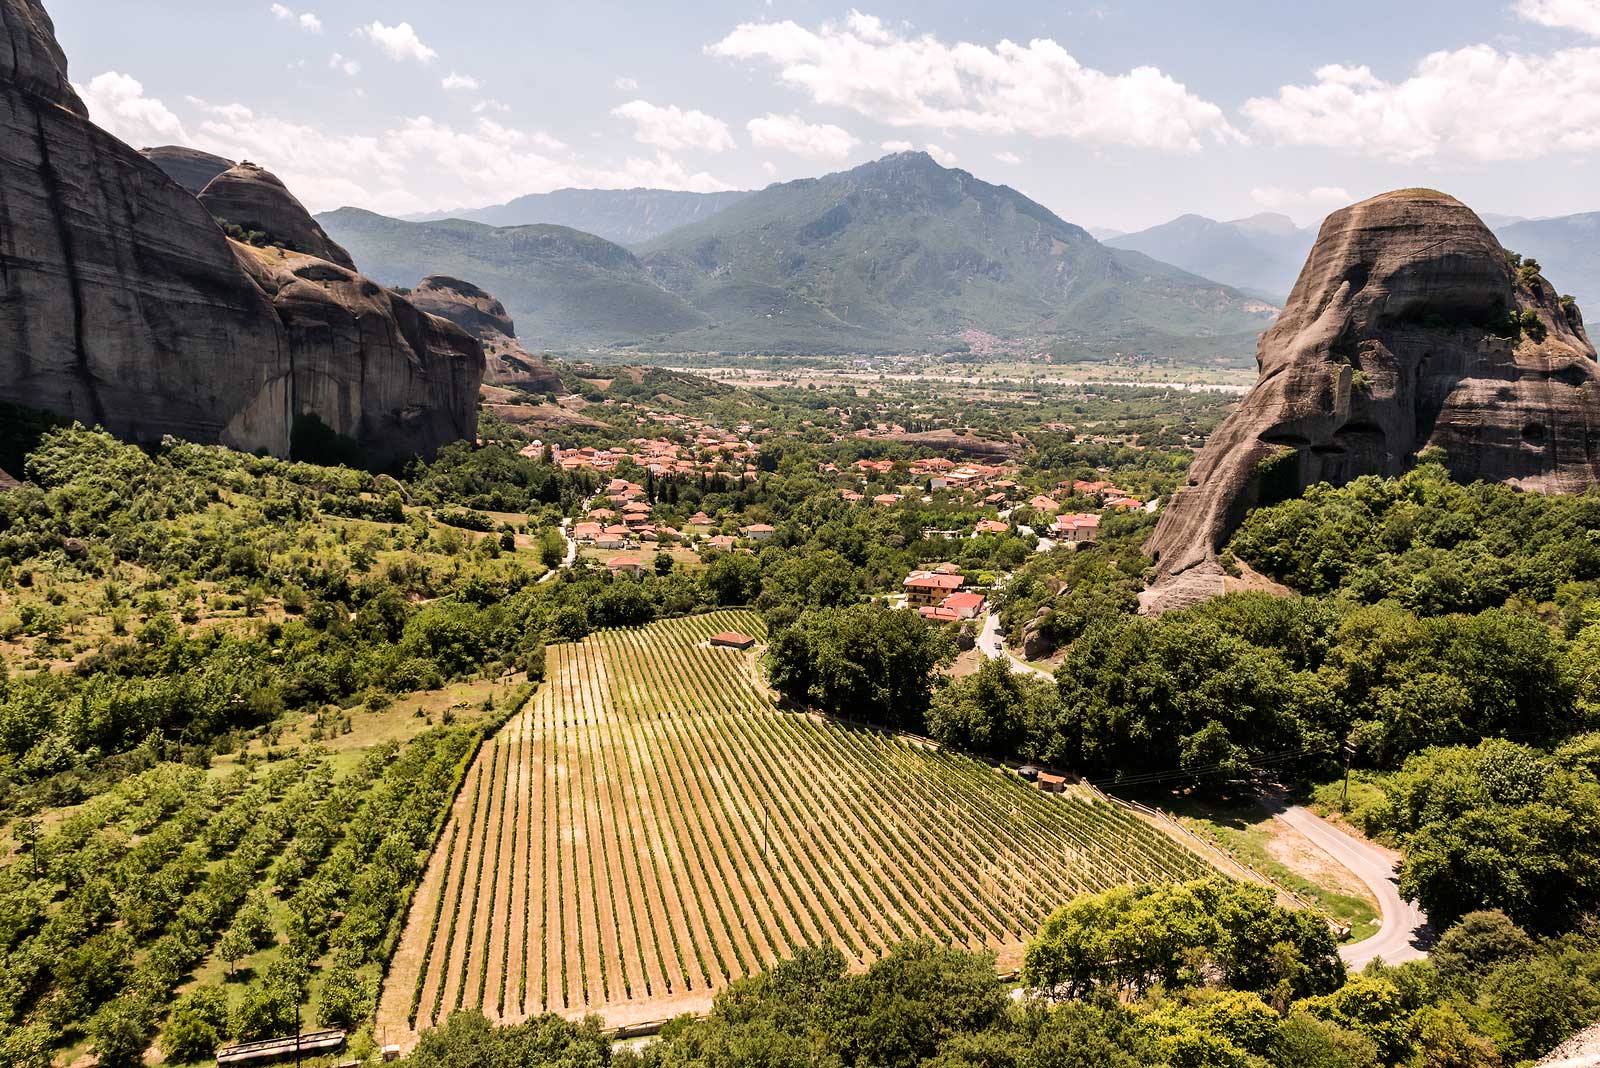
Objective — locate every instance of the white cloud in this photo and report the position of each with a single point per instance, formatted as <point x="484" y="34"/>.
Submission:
<point x="344" y="63"/>
<point x="1580" y="15"/>
<point x="943" y="157"/>
<point x="421" y="164"/>
<point x="400" y="42"/>
<point x="1476" y="102"/>
<point x="1323" y="197"/>
<point x="415" y="164"/>
<point x="1037" y="89"/>
<point x="117" y="104"/>
<point x="626" y="85"/>
<point x="454" y="81"/>
<point x="897" y="146"/>
<point x="674" y="128"/>
<point x="489" y="104"/>
<point x="1010" y="158"/>
<point x="306" y="20"/>
<point x="790" y="133"/>
<point x="769" y="167"/>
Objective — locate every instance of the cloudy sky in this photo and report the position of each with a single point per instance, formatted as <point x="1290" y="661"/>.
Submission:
<point x="1116" y="113"/>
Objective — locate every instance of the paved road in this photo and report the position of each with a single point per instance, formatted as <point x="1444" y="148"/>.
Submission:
<point x="994" y="647"/>
<point x="1403" y="930"/>
<point x="572" y="546"/>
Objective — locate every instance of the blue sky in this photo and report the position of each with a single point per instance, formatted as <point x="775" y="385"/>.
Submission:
<point x="1118" y="113"/>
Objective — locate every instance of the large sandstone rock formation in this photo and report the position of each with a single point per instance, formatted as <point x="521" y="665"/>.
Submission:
<point x="123" y="304"/>
<point x="189" y="167"/>
<point x="255" y="199"/>
<point x="485" y="318"/>
<point x="1395" y="339"/>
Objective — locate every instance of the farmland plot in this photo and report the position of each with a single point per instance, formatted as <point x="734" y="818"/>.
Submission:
<point x="651" y="827"/>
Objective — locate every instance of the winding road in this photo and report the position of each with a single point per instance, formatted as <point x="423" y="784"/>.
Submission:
<point x="1403" y="932"/>
<point x="1403" y="929"/>
<point x="994" y="647"/>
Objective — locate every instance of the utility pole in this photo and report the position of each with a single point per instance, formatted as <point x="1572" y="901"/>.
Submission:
<point x="1349" y="751"/>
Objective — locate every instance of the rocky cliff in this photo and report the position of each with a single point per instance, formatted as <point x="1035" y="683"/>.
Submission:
<point x="485" y="318"/>
<point x="122" y="303"/>
<point x="189" y="167"/>
<point x="254" y="199"/>
<point x="1409" y="327"/>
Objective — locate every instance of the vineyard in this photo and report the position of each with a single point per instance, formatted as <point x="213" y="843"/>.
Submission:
<point x="651" y="827"/>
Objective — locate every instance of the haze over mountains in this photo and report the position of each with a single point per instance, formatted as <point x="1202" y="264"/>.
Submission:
<point x="1262" y="255"/>
<point x="625" y="216"/>
<point x="896" y="255"/>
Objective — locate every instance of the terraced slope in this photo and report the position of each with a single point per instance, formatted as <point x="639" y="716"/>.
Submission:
<point x="651" y="827"/>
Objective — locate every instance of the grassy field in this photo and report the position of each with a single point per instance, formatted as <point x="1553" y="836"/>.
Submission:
<point x="651" y="827"/>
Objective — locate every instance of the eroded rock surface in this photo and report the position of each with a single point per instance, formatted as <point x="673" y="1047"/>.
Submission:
<point x="254" y="199"/>
<point x="368" y="362"/>
<point x="1395" y="339"/>
<point x="189" y="167"/>
<point x="123" y="304"/>
<point x="477" y="312"/>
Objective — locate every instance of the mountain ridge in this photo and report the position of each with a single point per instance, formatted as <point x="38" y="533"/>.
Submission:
<point x="900" y="254"/>
<point x="624" y="216"/>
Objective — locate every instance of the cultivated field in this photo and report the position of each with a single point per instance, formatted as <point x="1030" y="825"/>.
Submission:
<point x="651" y="827"/>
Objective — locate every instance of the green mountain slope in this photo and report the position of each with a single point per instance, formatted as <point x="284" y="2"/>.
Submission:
<point x="626" y="216"/>
<point x="564" y="288"/>
<point x="893" y="256"/>
<point x="905" y="251"/>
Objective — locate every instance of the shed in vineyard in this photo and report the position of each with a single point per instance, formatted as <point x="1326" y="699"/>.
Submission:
<point x="730" y="639"/>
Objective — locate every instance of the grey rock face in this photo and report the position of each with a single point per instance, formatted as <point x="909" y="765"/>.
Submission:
<point x="123" y="304"/>
<point x="477" y="312"/>
<point x="1394" y="341"/>
<point x="189" y="167"/>
<point x="255" y="199"/>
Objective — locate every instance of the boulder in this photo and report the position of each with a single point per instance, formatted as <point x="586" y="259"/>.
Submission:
<point x="253" y="198"/>
<point x="477" y="312"/>
<point x="123" y="304"/>
<point x="189" y="167"/>
<point x="1409" y="328"/>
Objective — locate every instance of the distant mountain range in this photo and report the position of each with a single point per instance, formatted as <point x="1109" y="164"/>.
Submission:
<point x="1568" y="248"/>
<point x="625" y="216"/>
<point x="1262" y="255"/>
<point x="896" y="255"/>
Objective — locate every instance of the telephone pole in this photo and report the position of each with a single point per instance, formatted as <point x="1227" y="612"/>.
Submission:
<point x="1348" y="748"/>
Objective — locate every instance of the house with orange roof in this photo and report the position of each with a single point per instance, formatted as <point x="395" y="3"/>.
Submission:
<point x="930" y="587"/>
<point x="1078" y="528"/>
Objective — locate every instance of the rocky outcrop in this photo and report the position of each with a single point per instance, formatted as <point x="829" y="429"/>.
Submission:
<point x="123" y="304"/>
<point x="7" y="483"/>
<point x="189" y="167"/>
<point x="1410" y="327"/>
<point x="254" y="199"/>
<point x="477" y="312"/>
<point x="341" y="327"/>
